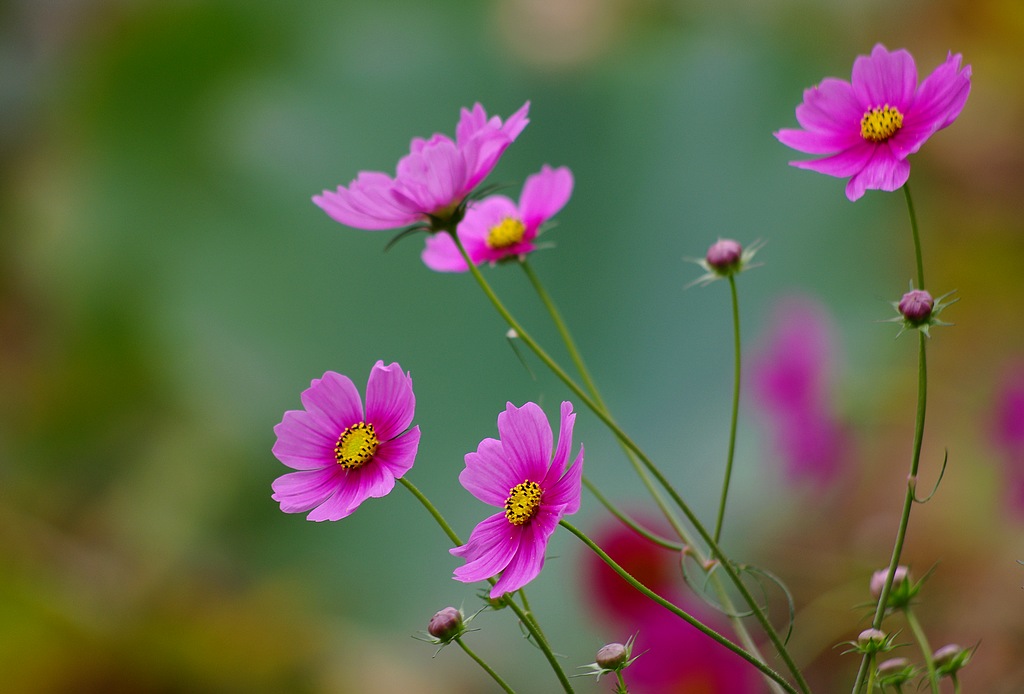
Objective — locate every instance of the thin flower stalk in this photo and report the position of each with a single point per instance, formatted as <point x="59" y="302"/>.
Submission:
<point x="605" y="418"/>
<point x="922" y="643"/>
<point x="674" y="609"/>
<point x="670" y="516"/>
<point x="527" y="620"/>
<point x="910" y="496"/>
<point x="737" y="364"/>
<point x="483" y="664"/>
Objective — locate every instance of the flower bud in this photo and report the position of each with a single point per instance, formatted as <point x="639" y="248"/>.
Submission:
<point x="724" y="256"/>
<point x="446" y="624"/>
<point x="612" y="656"/>
<point x="872" y="640"/>
<point x="899" y="578"/>
<point x="916" y="306"/>
<point x="895" y="672"/>
<point x="950" y="658"/>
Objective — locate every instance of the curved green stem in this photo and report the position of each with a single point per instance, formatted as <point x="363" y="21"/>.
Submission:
<point x="922" y="405"/>
<point x="528" y="621"/>
<point x="629" y="522"/>
<point x="737" y="362"/>
<point x="487" y="668"/>
<point x="674" y="609"/>
<point x="922" y="643"/>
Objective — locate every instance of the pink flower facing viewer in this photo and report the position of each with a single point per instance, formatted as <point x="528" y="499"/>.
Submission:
<point x="342" y="456"/>
<point x="518" y="475"/>
<point x="791" y="378"/>
<point x="432" y="181"/>
<point x="869" y="126"/>
<point x="495" y="228"/>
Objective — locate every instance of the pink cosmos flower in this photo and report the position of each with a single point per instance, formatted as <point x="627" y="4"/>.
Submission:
<point x="496" y="228"/>
<point x="432" y="181"/>
<point x="344" y="457"/>
<point x="869" y="127"/>
<point x="518" y="475"/>
<point x="791" y="377"/>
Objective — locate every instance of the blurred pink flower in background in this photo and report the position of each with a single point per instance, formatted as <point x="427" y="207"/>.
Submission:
<point x="496" y="228"/>
<point x="870" y="125"/>
<point x="1008" y="435"/>
<point x="674" y="658"/>
<point x="792" y="373"/>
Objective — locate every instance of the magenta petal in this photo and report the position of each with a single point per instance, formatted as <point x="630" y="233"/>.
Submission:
<point x="566" y="492"/>
<point x="883" y="172"/>
<point x="433" y="178"/>
<point x="487" y="475"/>
<point x="302" y="443"/>
<point x="527" y="562"/>
<point x="390" y="403"/>
<point x="567" y="418"/>
<point x="340" y="504"/>
<point x="526" y="439"/>
<point x="544" y="194"/>
<point x="334" y="401"/>
<point x="813" y="142"/>
<point x="843" y="164"/>
<point x="885" y="78"/>
<point x="441" y="255"/>
<point x="368" y="203"/>
<point x="298" y="492"/>
<point x="831" y="107"/>
<point x="491" y="546"/>
<point x="940" y="99"/>
<point x="398" y="454"/>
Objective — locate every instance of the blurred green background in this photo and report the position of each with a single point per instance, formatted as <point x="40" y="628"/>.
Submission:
<point x="167" y="289"/>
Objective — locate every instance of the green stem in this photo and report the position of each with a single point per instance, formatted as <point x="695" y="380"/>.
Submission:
<point x="922" y="643"/>
<point x="871" y="674"/>
<point x="909" y="497"/>
<point x="735" y="407"/>
<point x="629" y="522"/>
<point x="674" y="609"/>
<point x="527" y="620"/>
<point x="485" y="666"/>
<point x="626" y="441"/>
<point x="917" y="237"/>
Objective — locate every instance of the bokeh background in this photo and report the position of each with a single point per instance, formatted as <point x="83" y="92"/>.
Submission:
<point x="167" y="289"/>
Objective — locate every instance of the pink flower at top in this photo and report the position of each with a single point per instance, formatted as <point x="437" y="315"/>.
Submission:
<point x="432" y="181"/>
<point x="791" y="378"/>
<point x="518" y="475"/>
<point x="496" y="228"/>
<point x="869" y="126"/>
<point x="342" y="456"/>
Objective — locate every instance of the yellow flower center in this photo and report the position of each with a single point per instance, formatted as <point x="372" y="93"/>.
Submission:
<point x="508" y="232"/>
<point x="356" y="446"/>
<point x="522" y="502"/>
<point x="879" y="124"/>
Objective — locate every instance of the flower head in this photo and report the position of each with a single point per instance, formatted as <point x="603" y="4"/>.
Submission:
<point x="342" y="455"/>
<point x="497" y="229"/>
<point x="518" y="474"/>
<point x="870" y="125"/>
<point x="725" y="258"/>
<point x="447" y="624"/>
<point x="432" y="181"/>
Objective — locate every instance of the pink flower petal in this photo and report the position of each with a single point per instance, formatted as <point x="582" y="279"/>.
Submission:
<point x="487" y="474"/>
<point x="885" y="78"/>
<point x="334" y="401"/>
<point x="441" y="255"/>
<point x="390" y="403"/>
<point x="526" y="564"/>
<point x="526" y="439"/>
<point x="544" y="195"/>
<point x="566" y="491"/>
<point x="843" y="164"/>
<point x="883" y="172"/>
<point x="831" y="107"/>
<point x="302" y="443"/>
<point x="940" y="99"/>
<point x="492" y="544"/>
<point x="398" y="454"/>
<point x="298" y="492"/>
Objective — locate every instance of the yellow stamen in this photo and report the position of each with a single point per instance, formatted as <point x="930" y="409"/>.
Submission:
<point x="356" y="446"/>
<point x="879" y="124"/>
<point x="522" y="502"/>
<point x="508" y="232"/>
